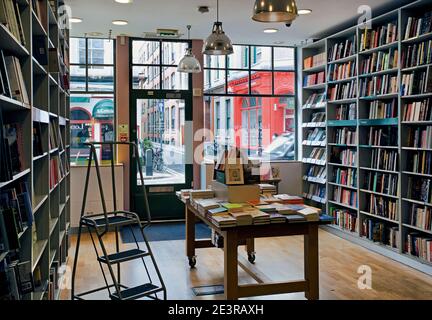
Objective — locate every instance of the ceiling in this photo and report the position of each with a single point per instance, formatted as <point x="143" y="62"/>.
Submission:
<point x="148" y="15"/>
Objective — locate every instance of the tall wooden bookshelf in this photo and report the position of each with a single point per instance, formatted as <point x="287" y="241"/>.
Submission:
<point x="45" y="243"/>
<point x="358" y="218"/>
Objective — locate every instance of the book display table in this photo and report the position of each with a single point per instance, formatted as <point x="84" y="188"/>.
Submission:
<point x="245" y="235"/>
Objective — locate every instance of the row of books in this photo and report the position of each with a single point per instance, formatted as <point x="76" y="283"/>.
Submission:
<point x="37" y="139"/>
<point x="313" y="79"/>
<point x="419" y="162"/>
<point x="11" y="150"/>
<point x="419" y="189"/>
<point x="382" y="207"/>
<point x="342" y="91"/>
<point x="418" y="111"/>
<point x="420" y="137"/>
<point x="382" y="136"/>
<point x="317" y="154"/>
<point x="40" y="9"/>
<point x="10" y="17"/>
<point x="420" y="217"/>
<point x="386" y="183"/>
<point x="342" y="49"/>
<point x="417" y="54"/>
<point x="315" y="100"/>
<point x="417" y="26"/>
<point x="383" y="110"/>
<point x="419" y="246"/>
<point x="345" y="196"/>
<point x="347" y="177"/>
<point x="317" y="191"/>
<point x="55" y="138"/>
<point x="384" y="160"/>
<point x="416" y="83"/>
<point x="345" y="136"/>
<point x="379" y="36"/>
<point x="57" y="171"/>
<point x="318" y="117"/>
<point x="346" y="112"/>
<point x="381" y="232"/>
<point x="16" y="280"/>
<point x="316" y="134"/>
<point x="345" y="157"/>
<point x="378" y="85"/>
<point x="319" y="173"/>
<point x="342" y="71"/>
<point x="345" y="219"/>
<point x="12" y="83"/>
<point x="315" y="61"/>
<point x="380" y="61"/>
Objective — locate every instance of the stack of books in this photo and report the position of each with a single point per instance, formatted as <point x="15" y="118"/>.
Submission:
<point x="314" y="61"/>
<point x="267" y="188"/>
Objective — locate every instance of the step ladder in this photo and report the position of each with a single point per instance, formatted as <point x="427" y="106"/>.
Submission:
<point x="98" y="226"/>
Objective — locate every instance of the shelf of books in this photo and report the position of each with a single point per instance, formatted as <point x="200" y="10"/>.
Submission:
<point x="378" y="128"/>
<point x="34" y="183"/>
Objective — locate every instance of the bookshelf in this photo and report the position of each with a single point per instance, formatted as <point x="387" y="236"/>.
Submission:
<point x="43" y="241"/>
<point x="374" y="118"/>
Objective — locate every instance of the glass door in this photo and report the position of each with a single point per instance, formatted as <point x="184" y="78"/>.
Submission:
<point x="161" y="122"/>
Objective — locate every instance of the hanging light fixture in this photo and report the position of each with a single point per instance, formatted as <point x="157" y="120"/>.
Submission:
<point x="189" y="64"/>
<point x="275" y="11"/>
<point x="218" y="43"/>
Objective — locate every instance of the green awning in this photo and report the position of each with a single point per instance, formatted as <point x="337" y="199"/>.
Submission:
<point x="104" y="109"/>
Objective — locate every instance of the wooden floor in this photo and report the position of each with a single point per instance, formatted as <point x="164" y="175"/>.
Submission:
<point x="277" y="258"/>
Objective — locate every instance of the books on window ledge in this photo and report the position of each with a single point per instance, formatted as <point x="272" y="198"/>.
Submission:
<point x="417" y="82"/>
<point x="345" y="196"/>
<point x="10" y="17"/>
<point x="417" y="26"/>
<point x="417" y="54"/>
<point x="419" y="162"/>
<point x="379" y="36"/>
<point x="346" y="112"/>
<point x="380" y="232"/>
<point x="345" y="136"/>
<point x="387" y="136"/>
<point x="384" y="160"/>
<point x="314" y="61"/>
<point x="385" y="183"/>
<point x="420" y="137"/>
<point x="419" y="246"/>
<point x="420" y="217"/>
<point x="419" y="189"/>
<point x="380" y="61"/>
<point x="346" y="177"/>
<point x="315" y="100"/>
<point x="418" y="111"/>
<point x="383" y="110"/>
<point x="378" y="85"/>
<point x="344" y="219"/>
<point x="346" y="157"/>
<point x="12" y="80"/>
<point x="342" y="49"/>
<point x="342" y="71"/>
<point x="314" y="79"/>
<point x="342" y="91"/>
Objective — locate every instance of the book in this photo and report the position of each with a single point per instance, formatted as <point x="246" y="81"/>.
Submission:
<point x="224" y="220"/>
<point x="40" y="50"/>
<point x="344" y="218"/>
<point x="310" y="214"/>
<point x="16" y="80"/>
<point x="6" y="91"/>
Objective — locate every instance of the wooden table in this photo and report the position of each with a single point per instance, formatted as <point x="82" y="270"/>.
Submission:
<point x="244" y="235"/>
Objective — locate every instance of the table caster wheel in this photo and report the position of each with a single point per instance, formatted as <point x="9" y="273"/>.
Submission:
<point x="251" y="257"/>
<point x="192" y="262"/>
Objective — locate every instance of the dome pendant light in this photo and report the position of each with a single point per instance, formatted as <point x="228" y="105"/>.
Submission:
<point x="275" y="11"/>
<point x="218" y="43"/>
<point x="189" y="64"/>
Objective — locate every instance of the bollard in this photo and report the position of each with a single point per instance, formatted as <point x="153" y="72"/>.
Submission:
<point x="149" y="162"/>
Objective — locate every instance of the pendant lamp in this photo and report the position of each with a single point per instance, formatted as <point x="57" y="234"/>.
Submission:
<point x="218" y="43"/>
<point x="189" y="64"/>
<point x="275" y="11"/>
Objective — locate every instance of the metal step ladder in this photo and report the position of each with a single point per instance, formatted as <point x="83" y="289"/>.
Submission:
<point x="98" y="226"/>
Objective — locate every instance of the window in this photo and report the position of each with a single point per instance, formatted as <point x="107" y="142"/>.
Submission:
<point x="92" y="96"/>
<point x="256" y="85"/>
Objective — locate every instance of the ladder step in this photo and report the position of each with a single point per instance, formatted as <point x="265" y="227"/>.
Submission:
<point x="115" y="221"/>
<point x="136" y="292"/>
<point x="124" y="256"/>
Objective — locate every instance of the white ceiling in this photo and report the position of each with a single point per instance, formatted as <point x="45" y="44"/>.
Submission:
<point x="148" y="15"/>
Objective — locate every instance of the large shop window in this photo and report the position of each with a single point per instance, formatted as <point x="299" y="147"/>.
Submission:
<point x="250" y="102"/>
<point x="92" y="96"/>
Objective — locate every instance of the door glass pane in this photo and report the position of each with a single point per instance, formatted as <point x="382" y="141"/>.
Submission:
<point x="173" y="80"/>
<point x="146" y="77"/>
<point x="145" y="52"/>
<point x="160" y="132"/>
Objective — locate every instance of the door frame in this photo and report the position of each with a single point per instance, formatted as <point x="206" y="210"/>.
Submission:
<point x="168" y="199"/>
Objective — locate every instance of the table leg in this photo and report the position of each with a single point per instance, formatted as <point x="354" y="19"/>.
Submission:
<point x="190" y="236"/>
<point x="311" y="268"/>
<point x="250" y="249"/>
<point x="230" y="265"/>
